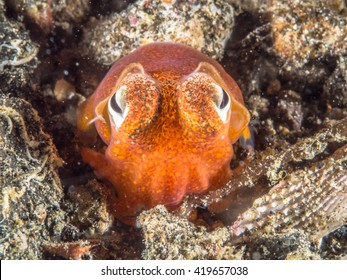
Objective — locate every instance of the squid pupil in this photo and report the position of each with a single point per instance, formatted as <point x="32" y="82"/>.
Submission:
<point x="225" y="100"/>
<point x="114" y="105"/>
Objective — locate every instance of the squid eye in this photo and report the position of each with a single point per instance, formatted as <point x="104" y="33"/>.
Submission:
<point x="117" y="106"/>
<point x="114" y="105"/>
<point x="225" y="101"/>
<point x="222" y="103"/>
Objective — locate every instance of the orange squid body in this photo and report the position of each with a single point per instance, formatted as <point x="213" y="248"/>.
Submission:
<point x="168" y="116"/>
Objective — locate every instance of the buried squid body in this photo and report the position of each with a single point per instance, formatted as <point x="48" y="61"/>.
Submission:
<point x="168" y="115"/>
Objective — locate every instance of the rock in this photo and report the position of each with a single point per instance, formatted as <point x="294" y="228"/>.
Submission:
<point x="335" y="88"/>
<point x="205" y="25"/>
<point x="306" y="34"/>
<point x="67" y="13"/>
<point x="289" y="109"/>
<point x="35" y="12"/>
<point x="45" y="15"/>
<point x="168" y="237"/>
<point x="18" y="57"/>
<point x="30" y="188"/>
<point x="88" y="209"/>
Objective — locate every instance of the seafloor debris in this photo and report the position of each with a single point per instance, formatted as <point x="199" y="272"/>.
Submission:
<point x="70" y="250"/>
<point x="334" y="244"/>
<point x="167" y="236"/>
<point x="289" y="108"/>
<point x="313" y="198"/>
<point x="17" y="55"/>
<point x="258" y="6"/>
<point x="38" y="12"/>
<point x="118" y="244"/>
<point x="45" y="15"/>
<point x="307" y="30"/>
<point x="88" y="209"/>
<point x="205" y="25"/>
<point x="67" y="13"/>
<point x="30" y="187"/>
<point x="335" y="88"/>
<point x="306" y="34"/>
<point x="2" y="10"/>
<point x="302" y="41"/>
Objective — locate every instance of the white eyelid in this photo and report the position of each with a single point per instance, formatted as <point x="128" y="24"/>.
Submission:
<point x="223" y="113"/>
<point x="118" y="118"/>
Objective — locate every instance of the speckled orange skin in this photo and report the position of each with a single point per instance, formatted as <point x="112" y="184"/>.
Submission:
<point x="171" y="144"/>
